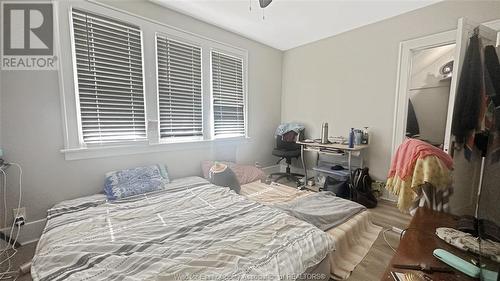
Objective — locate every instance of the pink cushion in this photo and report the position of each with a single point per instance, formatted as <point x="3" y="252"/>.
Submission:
<point x="244" y="173"/>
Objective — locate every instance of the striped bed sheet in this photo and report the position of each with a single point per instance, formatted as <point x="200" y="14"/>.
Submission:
<point x="192" y="230"/>
<point x="353" y="238"/>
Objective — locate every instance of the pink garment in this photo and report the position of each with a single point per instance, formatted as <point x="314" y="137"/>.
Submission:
<point x="409" y="152"/>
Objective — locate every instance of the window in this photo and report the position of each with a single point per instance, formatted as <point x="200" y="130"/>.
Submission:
<point x="141" y="86"/>
<point x="108" y="56"/>
<point x="228" y="95"/>
<point x="179" y="88"/>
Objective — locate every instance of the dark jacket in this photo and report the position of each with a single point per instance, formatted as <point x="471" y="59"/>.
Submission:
<point x="468" y="98"/>
<point x="492" y="69"/>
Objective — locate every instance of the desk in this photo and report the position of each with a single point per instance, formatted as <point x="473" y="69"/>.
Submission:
<point x="331" y="149"/>
<point x="420" y="240"/>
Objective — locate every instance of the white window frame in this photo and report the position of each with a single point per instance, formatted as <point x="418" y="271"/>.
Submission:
<point x="203" y="88"/>
<point x="230" y="52"/>
<point x="74" y="148"/>
<point x="77" y="99"/>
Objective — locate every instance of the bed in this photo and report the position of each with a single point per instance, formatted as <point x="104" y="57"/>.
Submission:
<point x="353" y="238"/>
<point x="191" y="230"/>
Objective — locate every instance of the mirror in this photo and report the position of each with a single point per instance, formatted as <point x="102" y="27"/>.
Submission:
<point x="423" y="88"/>
<point x="428" y="93"/>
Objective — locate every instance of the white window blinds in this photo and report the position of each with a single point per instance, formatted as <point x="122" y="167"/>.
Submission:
<point x="228" y="95"/>
<point x="179" y="88"/>
<point x="110" y="80"/>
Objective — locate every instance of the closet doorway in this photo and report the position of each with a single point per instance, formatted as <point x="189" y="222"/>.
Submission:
<point x="428" y="94"/>
<point x="423" y="91"/>
<point x="429" y="70"/>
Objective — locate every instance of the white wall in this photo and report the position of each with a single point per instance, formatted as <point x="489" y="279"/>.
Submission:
<point x="349" y="80"/>
<point x="32" y="135"/>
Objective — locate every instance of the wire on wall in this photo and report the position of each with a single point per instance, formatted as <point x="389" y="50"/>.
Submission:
<point x="10" y="250"/>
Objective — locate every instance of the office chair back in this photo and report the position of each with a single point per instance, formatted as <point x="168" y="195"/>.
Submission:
<point x="288" y="141"/>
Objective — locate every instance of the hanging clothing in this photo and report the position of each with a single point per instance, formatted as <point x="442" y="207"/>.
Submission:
<point x="417" y="163"/>
<point x="493" y="91"/>
<point x="429" y="170"/>
<point x="492" y="66"/>
<point x="432" y="198"/>
<point x="287" y="127"/>
<point x="412" y="127"/>
<point x="290" y="136"/>
<point x="489" y="93"/>
<point x="477" y="103"/>
<point x="407" y="154"/>
<point x="468" y="99"/>
<point x="492" y="84"/>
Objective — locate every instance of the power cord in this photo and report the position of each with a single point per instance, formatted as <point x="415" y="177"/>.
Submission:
<point x="385" y="238"/>
<point x="414" y="228"/>
<point x="401" y="235"/>
<point x="20" y="186"/>
<point x="7" y="274"/>
<point x="4" y="185"/>
<point x="8" y="259"/>
<point x="18" y="203"/>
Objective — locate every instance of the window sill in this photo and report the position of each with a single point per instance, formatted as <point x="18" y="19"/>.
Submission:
<point x="142" y="148"/>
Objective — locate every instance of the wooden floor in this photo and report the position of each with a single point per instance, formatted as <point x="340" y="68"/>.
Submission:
<point x="370" y="269"/>
<point x="373" y="265"/>
<point x="387" y="215"/>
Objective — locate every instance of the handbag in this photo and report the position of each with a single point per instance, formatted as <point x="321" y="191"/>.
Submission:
<point x="339" y="187"/>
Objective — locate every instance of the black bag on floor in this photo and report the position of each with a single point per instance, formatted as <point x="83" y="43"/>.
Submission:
<point x="339" y="187"/>
<point x="361" y="185"/>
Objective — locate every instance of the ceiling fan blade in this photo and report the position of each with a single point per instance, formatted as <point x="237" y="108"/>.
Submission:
<point x="264" y="3"/>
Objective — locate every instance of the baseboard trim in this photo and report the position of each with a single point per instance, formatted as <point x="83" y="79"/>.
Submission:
<point x="30" y="241"/>
<point x="30" y="232"/>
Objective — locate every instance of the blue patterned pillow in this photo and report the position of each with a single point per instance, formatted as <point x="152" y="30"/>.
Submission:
<point x="129" y="182"/>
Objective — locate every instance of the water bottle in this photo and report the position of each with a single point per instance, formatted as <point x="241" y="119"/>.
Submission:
<point x="358" y="137"/>
<point x="351" y="138"/>
<point x="366" y="136"/>
<point x="324" y="133"/>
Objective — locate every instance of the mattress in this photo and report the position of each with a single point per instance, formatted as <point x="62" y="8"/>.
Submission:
<point x="192" y="230"/>
<point x="353" y="238"/>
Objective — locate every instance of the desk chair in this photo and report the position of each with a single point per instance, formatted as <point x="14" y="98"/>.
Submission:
<point x="287" y="150"/>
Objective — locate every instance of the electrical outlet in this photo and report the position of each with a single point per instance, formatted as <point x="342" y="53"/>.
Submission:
<point x="19" y="213"/>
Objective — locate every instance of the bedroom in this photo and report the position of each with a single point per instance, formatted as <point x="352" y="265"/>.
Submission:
<point x="308" y="62"/>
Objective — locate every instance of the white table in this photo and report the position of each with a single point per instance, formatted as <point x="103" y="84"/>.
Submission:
<point x="330" y="149"/>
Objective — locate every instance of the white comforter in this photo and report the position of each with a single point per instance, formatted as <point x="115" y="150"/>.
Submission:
<point x="191" y="231"/>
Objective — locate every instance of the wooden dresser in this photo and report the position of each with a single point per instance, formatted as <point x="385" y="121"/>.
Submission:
<point x="420" y="240"/>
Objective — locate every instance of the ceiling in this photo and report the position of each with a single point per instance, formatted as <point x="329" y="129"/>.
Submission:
<point x="291" y="23"/>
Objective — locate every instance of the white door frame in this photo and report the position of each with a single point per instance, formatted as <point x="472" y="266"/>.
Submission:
<point x="404" y="67"/>
<point x="406" y="50"/>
